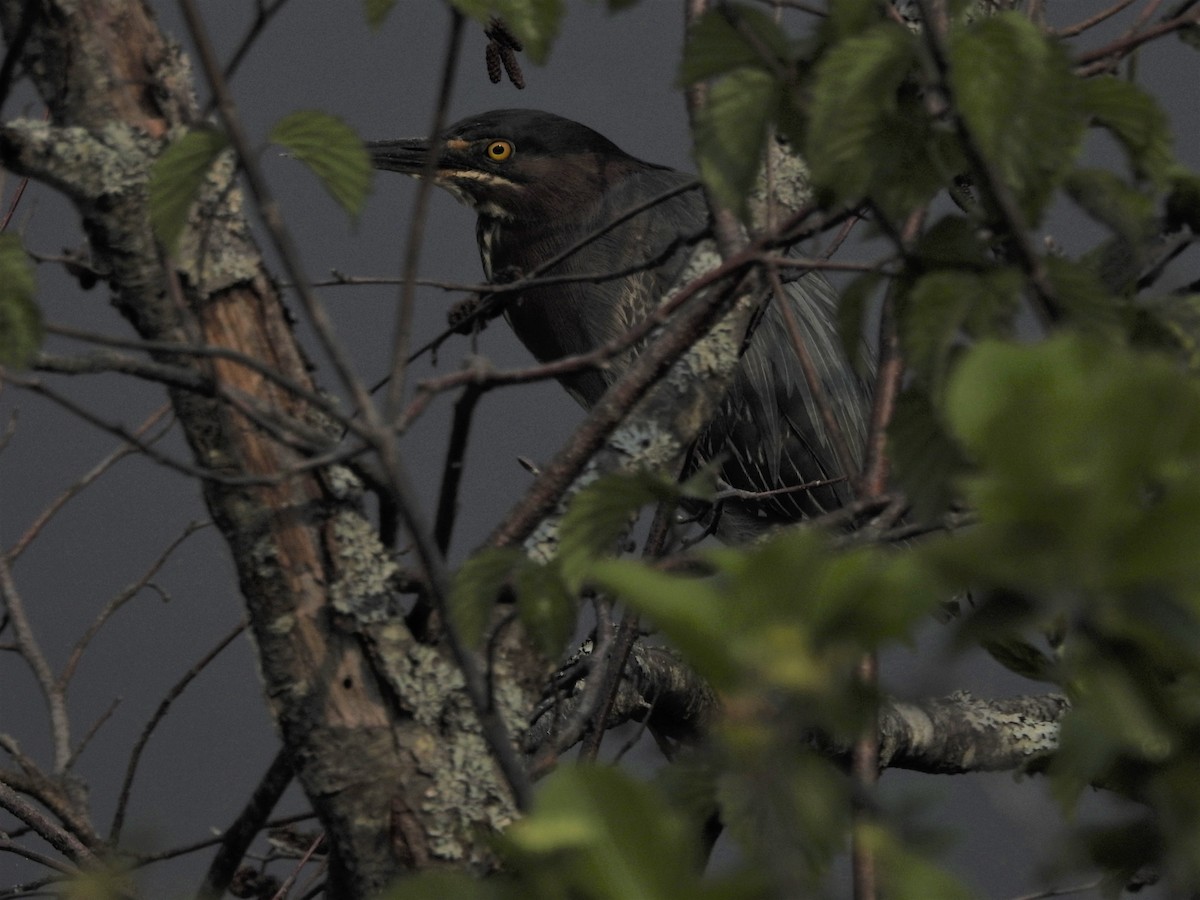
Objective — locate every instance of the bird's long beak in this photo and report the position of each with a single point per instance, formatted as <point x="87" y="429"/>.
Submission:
<point x="408" y="156"/>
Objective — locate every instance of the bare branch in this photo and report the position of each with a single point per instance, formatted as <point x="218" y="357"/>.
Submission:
<point x="123" y="450"/>
<point x="31" y="651"/>
<point x="164" y="705"/>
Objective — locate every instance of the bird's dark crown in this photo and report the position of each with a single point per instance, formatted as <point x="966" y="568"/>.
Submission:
<point x="514" y="164"/>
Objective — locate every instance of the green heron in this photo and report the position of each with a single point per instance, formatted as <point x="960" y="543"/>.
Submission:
<point x="540" y="184"/>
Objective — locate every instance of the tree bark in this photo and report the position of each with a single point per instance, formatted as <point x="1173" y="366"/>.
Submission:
<point x="377" y="727"/>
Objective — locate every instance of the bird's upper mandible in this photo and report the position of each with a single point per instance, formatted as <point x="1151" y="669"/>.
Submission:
<point x="556" y="198"/>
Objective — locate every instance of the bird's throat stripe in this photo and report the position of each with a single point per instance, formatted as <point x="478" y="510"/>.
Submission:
<point x="472" y="175"/>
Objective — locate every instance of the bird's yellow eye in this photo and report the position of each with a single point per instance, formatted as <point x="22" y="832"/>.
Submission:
<point x="499" y="150"/>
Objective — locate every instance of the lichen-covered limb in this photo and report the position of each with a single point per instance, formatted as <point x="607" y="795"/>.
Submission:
<point x="943" y="735"/>
<point x="963" y="733"/>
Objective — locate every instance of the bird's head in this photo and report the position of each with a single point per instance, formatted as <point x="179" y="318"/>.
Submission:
<point x="516" y="165"/>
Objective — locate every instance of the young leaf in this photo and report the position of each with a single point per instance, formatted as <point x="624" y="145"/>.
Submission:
<point x="333" y="151"/>
<point x="1021" y="102"/>
<point x="731" y="131"/>
<point x="1136" y="121"/>
<point x="719" y="43"/>
<point x="694" y="614"/>
<point x="599" y="515"/>
<point x="20" y="319"/>
<point x="867" y="135"/>
<point x="176" y="178"/>
<point x="602" y="835"/>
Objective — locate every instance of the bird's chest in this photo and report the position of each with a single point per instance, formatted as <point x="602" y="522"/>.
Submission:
<point x="551" y="319"/>
<point x="564" y="318"/>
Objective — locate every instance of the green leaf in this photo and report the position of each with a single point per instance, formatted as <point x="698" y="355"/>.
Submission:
<point x="333" y="151"/>
<point x="20" y="318"/>
<point x="1083" y="481"/>
<point x="1109" y="200"/>
<point x="1179" y="316"/>
<point x="905" y="874"/>
<point x="600" y="514"/>
<point x="599" y="834"/>
<point x="731" y="132"/>
<point x="848" y="18"/>
<point x="1137" y="122"/>
<point x="925" y="459"/>
<point x="477" y="585"/>
<point x="545" y="606"/>
<point x="868" y="135"/>
<point x="534" y="22"/>
<point x="376" y="11"/>
<point x="1087" y="300"/>
<point x="692" y="613"/>
<point x="176" y="178"/>
<point x="1017" y="94"/>
<point x="730" y="38"/>
<point x="940" y="307"/>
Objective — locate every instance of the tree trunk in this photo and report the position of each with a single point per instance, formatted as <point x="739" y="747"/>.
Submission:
<point x="377" y="725"/>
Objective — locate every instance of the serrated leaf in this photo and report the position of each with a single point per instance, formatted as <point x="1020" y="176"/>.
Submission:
<point x="1109" y="200"/>
<point x="595" y="832"/>
<point x="723" y="40"/>
<point x="176" y="178"/>
<point x="332" y="150"/>
<point x="1022" y="103"/>
<point x="20" y="318"/>
<point x="534" y="22"/>
<point x="940" y="309"/>
<point x="692" y="613"/>
<point x="599" y="515"/>
<point x="1137" y="122"/>
<point x="477" y="585"/>
<point x="867" y="133"/>
<point x="376" y="11"/>
<point x="1085" y="298"/>
<point x="731" y="132"/>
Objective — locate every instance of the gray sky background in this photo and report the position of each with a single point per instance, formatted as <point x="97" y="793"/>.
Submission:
<point x="613" y="72"/>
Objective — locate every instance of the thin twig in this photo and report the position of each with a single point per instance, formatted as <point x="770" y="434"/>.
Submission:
<point x="1103" y="58"/>
<point x="452" y="470"/>
<point x="1092" y="21"/>
<point x="57" y="837"/>
<point x="250" y="821"/>
<point x="122" y="450"/>
<point x="116" y="602"/>
<point x="92" y="731"/>
<point x="300" y="864"/>
<point x="416" y="234"/>
<point x="31" y="652"/>
<point x="159" y="713"/>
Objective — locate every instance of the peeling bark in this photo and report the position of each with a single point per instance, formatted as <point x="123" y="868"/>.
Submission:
<point x="379" y="732"/>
